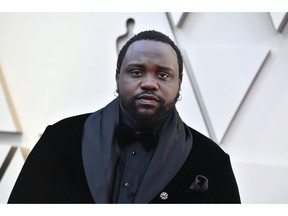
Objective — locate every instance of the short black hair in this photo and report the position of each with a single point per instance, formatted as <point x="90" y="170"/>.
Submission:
<point x="154" y="36"/>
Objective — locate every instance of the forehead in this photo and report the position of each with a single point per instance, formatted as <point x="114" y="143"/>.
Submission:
<point x="143" y="49"/>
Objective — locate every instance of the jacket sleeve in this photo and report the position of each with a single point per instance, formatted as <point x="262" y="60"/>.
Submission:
<point x="34" y="182"/>
<point x="226" y="190"/>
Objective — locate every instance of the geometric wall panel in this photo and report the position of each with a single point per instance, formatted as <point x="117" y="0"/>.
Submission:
<point x="7" y="153"/>
<point x="8" y="118"/>
<point x="188" y="107"/>
<point x="9" y="170"/>
<point x="279" y="20"/>
<point x="224" y="76"/>
<point x="178" y="18"/>
<point x="4" y="165"/>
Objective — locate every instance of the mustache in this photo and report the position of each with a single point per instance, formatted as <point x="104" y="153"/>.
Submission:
<point x="147" y="92"/>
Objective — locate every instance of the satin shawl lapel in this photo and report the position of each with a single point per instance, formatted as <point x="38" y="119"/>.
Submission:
<point x="173" y="148"/>
<point x="100" y="152"/>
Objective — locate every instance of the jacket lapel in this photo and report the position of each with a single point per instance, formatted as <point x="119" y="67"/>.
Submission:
<point x="183" y="179"/>
<point x="175" y="142"/>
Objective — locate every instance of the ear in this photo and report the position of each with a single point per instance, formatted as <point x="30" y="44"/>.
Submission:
<point x="180" y="80"/>
<point x="117" y="76"/>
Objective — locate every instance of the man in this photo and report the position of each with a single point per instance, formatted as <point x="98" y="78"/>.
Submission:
<point x="134" y="150"/>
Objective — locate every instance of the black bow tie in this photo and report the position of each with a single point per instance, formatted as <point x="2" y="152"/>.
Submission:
<point x="127" y="135"/>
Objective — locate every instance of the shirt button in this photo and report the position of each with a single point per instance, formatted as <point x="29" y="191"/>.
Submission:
<point x="126" y="184"/>
<point x="133" y="152"/>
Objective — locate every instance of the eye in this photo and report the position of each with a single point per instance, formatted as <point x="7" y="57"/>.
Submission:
<point x="136" y="73"/>
<point x="163" y="75"/>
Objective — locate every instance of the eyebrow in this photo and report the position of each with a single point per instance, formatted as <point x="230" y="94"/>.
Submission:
<point x="143" y="66"/>
<point x="165" y="68"/>
<point x="135" y="65"/>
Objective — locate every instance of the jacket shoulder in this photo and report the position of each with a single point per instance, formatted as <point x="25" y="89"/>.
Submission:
<point x="205" y="143"/>
<point x="65" y="132"/>
<point x="73" y="119"/>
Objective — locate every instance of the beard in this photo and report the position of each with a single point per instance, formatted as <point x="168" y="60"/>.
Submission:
<point x="147" y="119"/>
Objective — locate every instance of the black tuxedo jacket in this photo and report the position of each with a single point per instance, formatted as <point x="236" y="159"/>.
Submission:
<point x="54" y="172"/>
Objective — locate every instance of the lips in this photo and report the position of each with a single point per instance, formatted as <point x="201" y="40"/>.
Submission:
<point x="148" y="97"/>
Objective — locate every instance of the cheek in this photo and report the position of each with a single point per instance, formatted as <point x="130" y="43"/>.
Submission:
<point x="170" y="92"/>
<point x="126" y="88"/>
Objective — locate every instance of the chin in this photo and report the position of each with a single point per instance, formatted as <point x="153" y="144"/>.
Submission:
<point x="144" y="116"/>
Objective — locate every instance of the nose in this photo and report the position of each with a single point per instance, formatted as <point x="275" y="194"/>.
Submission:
<point x="149" y="82"/>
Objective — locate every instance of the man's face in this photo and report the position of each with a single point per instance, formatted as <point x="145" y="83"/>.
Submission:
<point x="148" y="81"/>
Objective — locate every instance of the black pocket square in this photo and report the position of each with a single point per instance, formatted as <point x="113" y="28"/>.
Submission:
<point x="196" y="193"/>
<point x="200" y="184"/>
